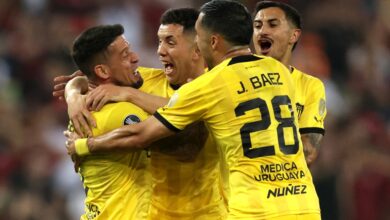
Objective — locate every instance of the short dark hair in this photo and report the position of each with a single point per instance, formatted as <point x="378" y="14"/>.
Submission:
<point x="229" y="18"/>
<point x="291" y="13"/>
<point x="185" y="17"/>
<point x="93" y="41"/>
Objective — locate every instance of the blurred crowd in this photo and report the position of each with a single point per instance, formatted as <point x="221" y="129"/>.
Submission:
<point x="346" y="43"/>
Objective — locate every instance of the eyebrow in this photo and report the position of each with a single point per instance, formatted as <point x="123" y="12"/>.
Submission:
<point x="269" y="20"/>
<point x="164" y="34"/>
<point x="169" y="37"/>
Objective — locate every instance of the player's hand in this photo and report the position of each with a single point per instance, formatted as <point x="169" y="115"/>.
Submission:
<point x="69" y="143"/>
<point x="60" y="83"/>
<point x="103" y="94"/>
<point x="70" y="148"/>
<point x="81" y="118"/>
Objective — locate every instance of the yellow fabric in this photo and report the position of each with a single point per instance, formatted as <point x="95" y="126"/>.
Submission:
<point x="155" y="82"/>
<point x="117" y="185"/>
<point x="183" y="188"/>
<point x="247" y="104"/>
<point x="310" y="100"/>
<point x="298" y="217"/>
<point x="81" y="147"/>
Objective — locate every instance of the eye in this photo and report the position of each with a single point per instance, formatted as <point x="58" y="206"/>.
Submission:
<point x="126" y="53"/>
<point x="273" y="24"/>
<point x="257" y="25"/>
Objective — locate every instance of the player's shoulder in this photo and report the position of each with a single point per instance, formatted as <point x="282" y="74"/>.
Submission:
<point x="114" y="115"/>
<point x="124" y="112"/>
<point x="121" y="108"/>
<point x="307" y="78"/>
<point x="270" y="60"/>
<point x="265" y="63"/>
<point x="251" y="58"/>
<point x="243" y="62"/>
<point x="147" y="72"/>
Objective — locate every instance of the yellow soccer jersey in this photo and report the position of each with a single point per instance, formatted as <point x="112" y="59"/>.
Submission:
<point x="310" y="102"/>
<point x="246" y="102"/>
<point x="117" y="185"/>
<point x="155" y="82"/>
<point x="183" y="189"/>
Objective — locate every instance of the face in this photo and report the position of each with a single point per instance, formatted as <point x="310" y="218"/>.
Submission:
<point x="123" y="63"/>
<point x="273" y="34"/>
<point x="203" y="40"/>
<point x="175" y="52"/>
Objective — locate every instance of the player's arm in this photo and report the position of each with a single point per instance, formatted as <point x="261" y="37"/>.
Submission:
<point x="177" y="145"/>
<point x="128" y="137"/>
<point x="103" y="94"/>
<point x="311" y="146"/>
<point x="78" y="113"/>
<point x="311" y="122"/>
<point x="184" y="145"/>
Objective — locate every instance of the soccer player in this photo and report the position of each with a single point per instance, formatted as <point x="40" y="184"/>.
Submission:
<point x="277" y="28"/>
<point x="117" y="185"/>
<point x="247" y="102"/>
<point x="186" y="180"/>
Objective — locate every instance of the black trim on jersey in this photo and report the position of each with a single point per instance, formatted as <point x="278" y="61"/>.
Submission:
<point x="174" y="87"/>
<point x="244" y="58"/>
<point x="312" y="130"/>
<point x="165" y="122"/>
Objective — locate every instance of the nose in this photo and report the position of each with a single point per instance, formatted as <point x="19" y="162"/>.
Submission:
<point x="134" y="58"/>
<point x="161" y="50"/>
<point x="264" y="30"/>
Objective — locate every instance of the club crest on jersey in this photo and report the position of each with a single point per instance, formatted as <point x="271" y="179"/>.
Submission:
<point x="173" y="100"/>
<point x="131" y="119"/>
<point x="299" y="109"/>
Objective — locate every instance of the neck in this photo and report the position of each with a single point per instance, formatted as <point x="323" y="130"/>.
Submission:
<point x="197" y="69"/>
<point x="286" y="59"/>
<point x="237" y="51"/>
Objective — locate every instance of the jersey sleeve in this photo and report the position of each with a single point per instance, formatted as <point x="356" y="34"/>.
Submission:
<point x="184" y="107"/>
<point x="115" y="115"/>
<point x="312" y="118"/>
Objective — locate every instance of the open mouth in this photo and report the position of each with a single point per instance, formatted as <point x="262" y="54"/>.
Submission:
<point x="265" y="45"/>
<point x="139" y="81"/>
<point x="136" y="73"/>
<point x="168" y="67"/>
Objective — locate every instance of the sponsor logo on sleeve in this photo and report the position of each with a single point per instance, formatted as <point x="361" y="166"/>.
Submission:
<point x="131" y="119"/>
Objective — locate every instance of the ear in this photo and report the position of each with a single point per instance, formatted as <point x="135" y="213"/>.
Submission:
<point x="214" y="41"/>
<point x="102" y="71"/>
<point x="196" y="53"/>
<point x="295" y="36"/>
